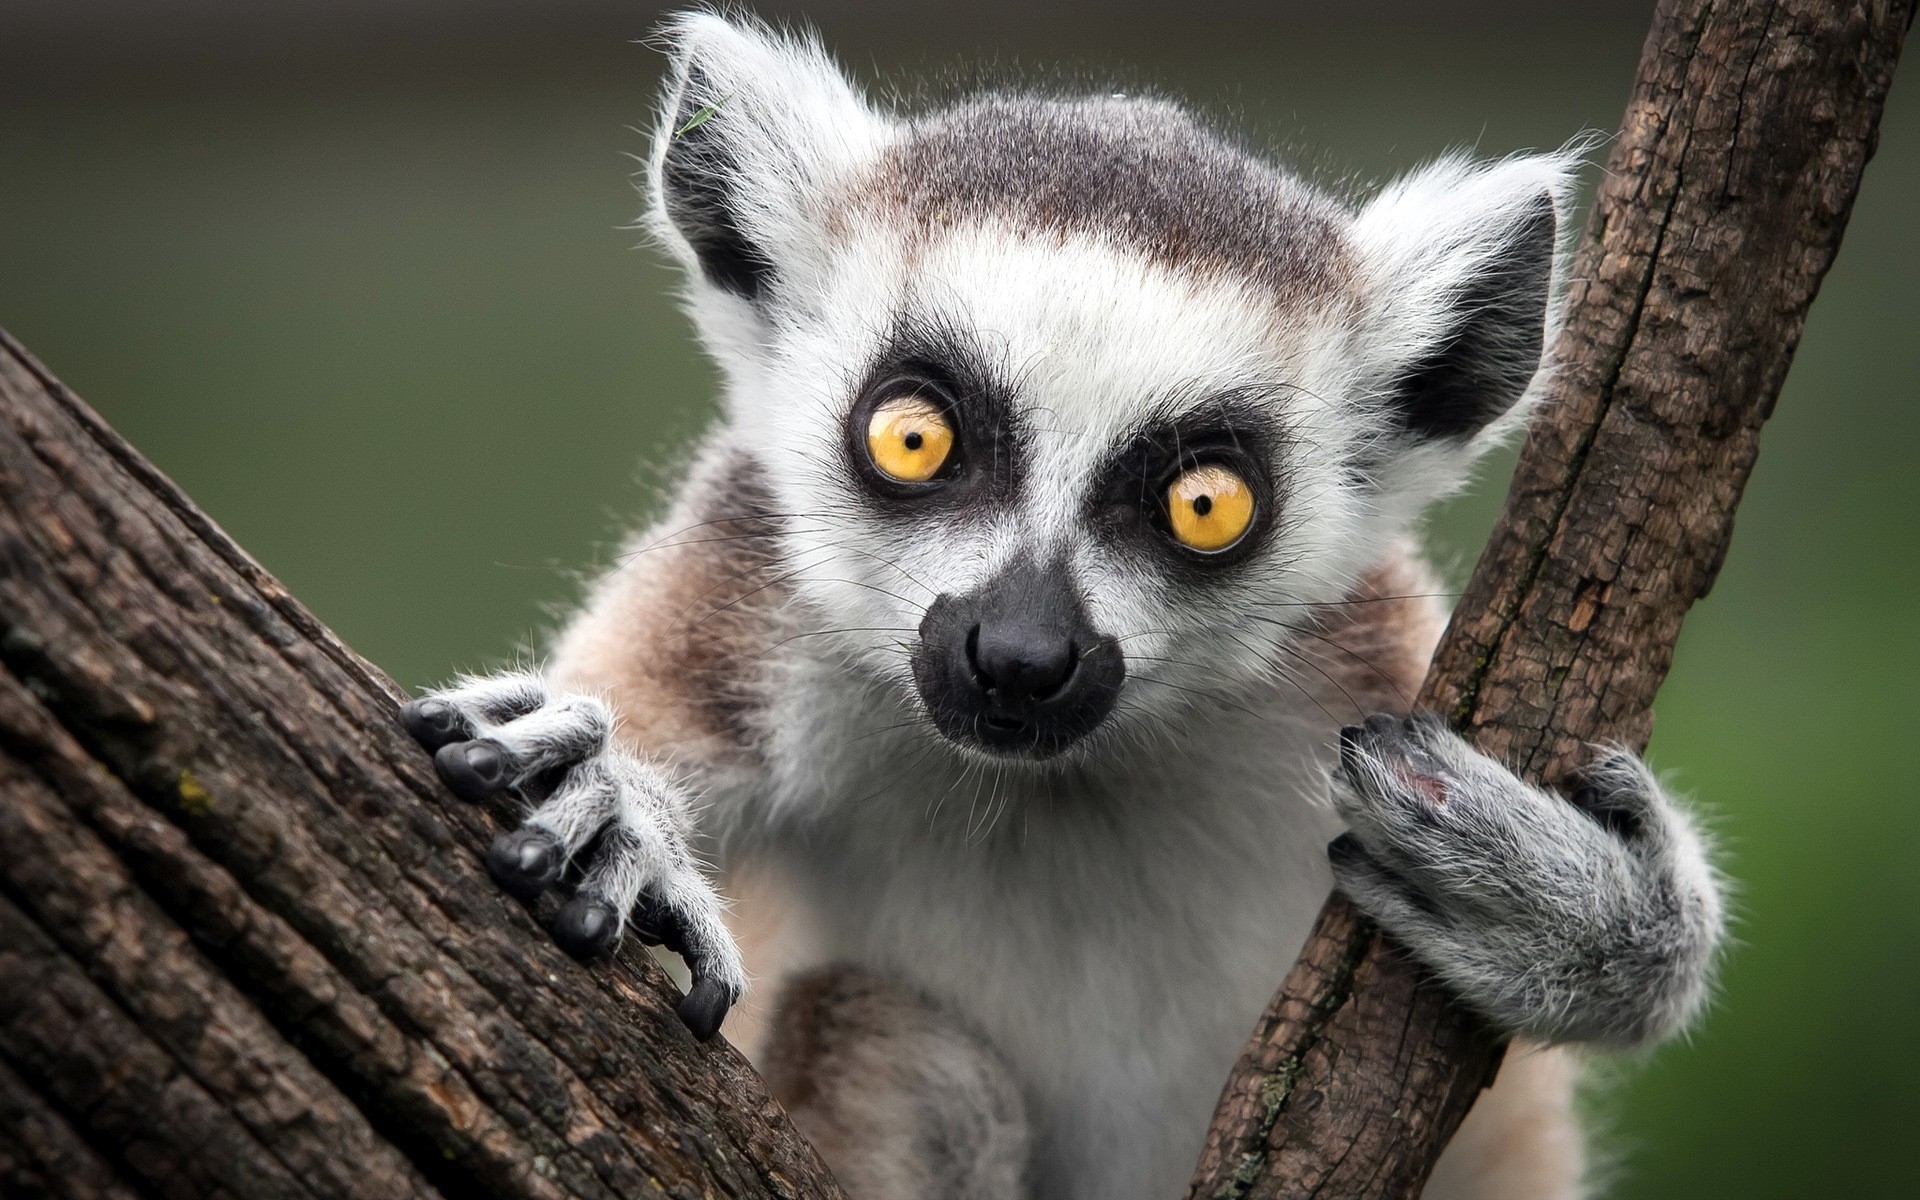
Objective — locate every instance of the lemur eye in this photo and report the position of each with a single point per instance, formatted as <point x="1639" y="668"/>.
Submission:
<point x="1210" y="507"/>
<point x="909" y="438"/>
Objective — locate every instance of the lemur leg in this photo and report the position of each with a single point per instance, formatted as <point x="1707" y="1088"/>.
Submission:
<point x="902" y="1101"/>
<point x="510" y="733"/>
<point x="1593" y="921"/>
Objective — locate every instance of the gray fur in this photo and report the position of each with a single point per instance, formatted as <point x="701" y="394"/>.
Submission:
<point x="1556" y="923"/>
<point x="1144" y="173"/>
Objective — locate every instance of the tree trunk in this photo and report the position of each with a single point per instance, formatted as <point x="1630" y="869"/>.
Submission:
<point x="247" y="947"/>
<point x="1721" y="209"/>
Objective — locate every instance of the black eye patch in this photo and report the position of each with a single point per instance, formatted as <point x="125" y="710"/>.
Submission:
<point x="1129" y="503"/>
<point x="945" y="366"/>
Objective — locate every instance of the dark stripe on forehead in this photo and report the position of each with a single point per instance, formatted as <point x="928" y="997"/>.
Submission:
<point x="1142" y="173"/>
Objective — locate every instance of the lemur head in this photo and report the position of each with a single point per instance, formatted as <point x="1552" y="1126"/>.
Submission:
<point x="1074" y="409"/>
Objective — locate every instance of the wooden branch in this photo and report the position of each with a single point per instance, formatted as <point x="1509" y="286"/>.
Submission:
<point x="1723" y="206"/>
<point x="247" y="947"/>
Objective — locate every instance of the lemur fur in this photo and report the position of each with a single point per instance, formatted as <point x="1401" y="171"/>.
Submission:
<point x="1041" y="610"/>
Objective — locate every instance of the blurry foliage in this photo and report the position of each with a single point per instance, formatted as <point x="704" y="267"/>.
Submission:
<point x="386" y="325"/>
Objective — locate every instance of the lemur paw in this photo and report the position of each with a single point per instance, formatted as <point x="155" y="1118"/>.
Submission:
<point x="1595" y="920"/>
<point x="623" y="819"/>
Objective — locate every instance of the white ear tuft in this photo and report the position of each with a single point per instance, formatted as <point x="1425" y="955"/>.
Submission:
<point x="753" y="126"/>
<point x="1463" y="269"/>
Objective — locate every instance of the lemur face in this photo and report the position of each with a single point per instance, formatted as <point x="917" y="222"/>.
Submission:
<point x="1073" y="411"/>
<point x="1078" y="473"/>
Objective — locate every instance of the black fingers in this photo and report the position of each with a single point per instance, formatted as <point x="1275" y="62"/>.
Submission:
<point x="474" y="770"/>
<point x="1382" y="734"/>
<point x="1380" y="725"/>
<point x="704" y="1006"/>
<point x="586" y="927"/>
<point x="657" y="925"/>
<point x="1376" y="729"/>
<point x="526" y="862"/>
<point x="434" y="723"/>
<point x="1370" y="734"/>
<point x="537" y="788"/>
<point x="706" y="1003"/>
<point x="1349" y="747"/>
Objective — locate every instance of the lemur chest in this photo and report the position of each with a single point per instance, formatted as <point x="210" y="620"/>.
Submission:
<point x="1114" y="936"/>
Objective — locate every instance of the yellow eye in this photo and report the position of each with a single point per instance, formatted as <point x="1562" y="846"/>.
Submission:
<point x="1210" y="507"/>
<point x="909" y="438"/>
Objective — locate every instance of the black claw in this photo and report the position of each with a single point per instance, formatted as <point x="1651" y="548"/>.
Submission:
<point x="473" y="770"/>
<point x="586" y="927"/>
<point x="434" y="723"/>
<point x="525" y="862"/>
<point x="704" y="1006"/>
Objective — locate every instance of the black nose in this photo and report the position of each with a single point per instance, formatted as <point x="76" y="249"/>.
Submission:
<point x="1018" y="664"/>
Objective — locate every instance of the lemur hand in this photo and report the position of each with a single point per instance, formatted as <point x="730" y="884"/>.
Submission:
<point x="1595" y="920"/>
<point x="509" y="733"/>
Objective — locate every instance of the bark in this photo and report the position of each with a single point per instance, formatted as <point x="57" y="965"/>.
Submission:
<point x="247" y="946"/>
<point x="1721" y="209"/>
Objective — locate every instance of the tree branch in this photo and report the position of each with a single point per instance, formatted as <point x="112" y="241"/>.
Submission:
<point x="1722" y="207"/>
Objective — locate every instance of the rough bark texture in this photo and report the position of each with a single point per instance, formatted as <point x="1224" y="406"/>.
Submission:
<point x="247" y="947"/>
<point x="1722" y="206"/>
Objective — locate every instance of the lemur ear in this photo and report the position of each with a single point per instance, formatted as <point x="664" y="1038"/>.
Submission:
<point x="752" y="125"/>
<point x="1462" y="266"/>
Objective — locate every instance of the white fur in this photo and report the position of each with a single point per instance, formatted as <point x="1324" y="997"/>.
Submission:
<point x="809" y="125"/>
<point x="1422" y="240"/>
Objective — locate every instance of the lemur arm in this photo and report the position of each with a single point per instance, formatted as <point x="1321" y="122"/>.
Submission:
<point x="1592" y="920"/>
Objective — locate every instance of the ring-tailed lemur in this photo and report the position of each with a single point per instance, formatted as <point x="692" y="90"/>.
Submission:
<point x="1024" y="631"/>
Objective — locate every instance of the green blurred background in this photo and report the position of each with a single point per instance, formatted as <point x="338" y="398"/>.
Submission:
<point x="355" y="274"/>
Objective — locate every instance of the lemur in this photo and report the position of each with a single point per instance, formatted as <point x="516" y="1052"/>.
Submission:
<point x="1031" y="646"/>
